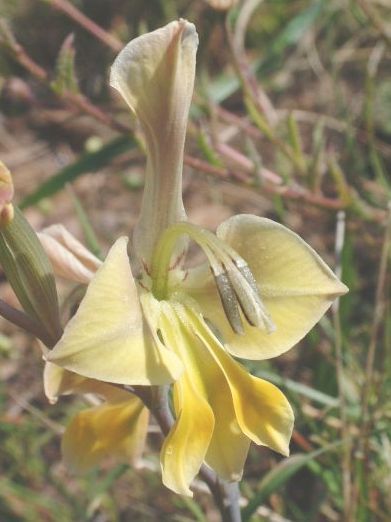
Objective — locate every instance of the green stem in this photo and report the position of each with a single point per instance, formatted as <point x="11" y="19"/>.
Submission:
<point x="25" y="322"/>
<point x="229" y="495"/>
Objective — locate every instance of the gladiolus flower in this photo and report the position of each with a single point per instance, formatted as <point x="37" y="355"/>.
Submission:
<point x="260" y="290"/>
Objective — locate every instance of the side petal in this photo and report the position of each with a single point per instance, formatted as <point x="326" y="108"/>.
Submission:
<point x="295" y="285"/>
<point x="107" y="339"/>
<point x="58" y="381"/>
<point x="116" y="429"/>
<point x="281" y="261"/>
<point x="262" y="410"/>
<point x="65" y="264"/>
<point x="67" y="240"/>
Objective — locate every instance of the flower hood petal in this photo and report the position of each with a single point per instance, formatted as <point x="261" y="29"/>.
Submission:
<point x="155" y="75"/>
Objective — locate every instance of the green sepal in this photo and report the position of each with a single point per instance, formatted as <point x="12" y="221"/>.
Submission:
<point x="29" y="272"/>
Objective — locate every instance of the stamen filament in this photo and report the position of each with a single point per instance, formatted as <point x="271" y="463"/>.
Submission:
<point x="234" y="281"/>
<point x="161" y="259"/>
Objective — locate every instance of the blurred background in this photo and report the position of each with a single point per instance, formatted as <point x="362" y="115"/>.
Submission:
<point x="291" y="119"/>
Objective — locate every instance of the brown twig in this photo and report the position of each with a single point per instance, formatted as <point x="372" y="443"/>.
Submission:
<point x="77" y="100"/>
<point x="236" y="37"/>
<point x="293" y="192"/>
<point x="376" y="20"/>
<point x="89" y="25"/>
<point x="8" y="40"/>
<point x="334" y="124"/>
<point x="378" y="318"/>
<point x="84" y="105"/>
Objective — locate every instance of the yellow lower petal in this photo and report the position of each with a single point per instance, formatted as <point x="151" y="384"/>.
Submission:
<point x="185" y="447"/>
<point x="227" y="446"/>
<point x="58" y="381"/>
<point x="117" y="430"/>
<point x="262" y="411"/>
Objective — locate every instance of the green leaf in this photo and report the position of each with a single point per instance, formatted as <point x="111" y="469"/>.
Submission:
<point x="227" y="84"/>
<point x="65" y="77"/>
<point x="301" y="389"/>
<point x="88" y="162"/>
<point x="280" y="474"/>
<point x="88" y="230"/>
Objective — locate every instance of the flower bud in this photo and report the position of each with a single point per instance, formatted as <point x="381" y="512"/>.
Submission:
<point x="222" y="5"/>
<point x="6" y="195"/>
<point x="69" y="258"/>
<point x="29" y="273"/>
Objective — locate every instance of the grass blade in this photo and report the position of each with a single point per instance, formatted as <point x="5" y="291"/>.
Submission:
<point x="280" y="474"/>
<point x="88" y="162"/>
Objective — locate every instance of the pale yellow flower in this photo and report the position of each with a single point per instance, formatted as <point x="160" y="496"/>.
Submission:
<point x="260" y="290"/>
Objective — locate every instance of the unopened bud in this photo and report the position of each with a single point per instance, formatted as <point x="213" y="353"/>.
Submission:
<point x="222" y="5"/>
<point x="30" y="275"/>
<point x="69" y="258"/>
<point x="6" y="195"/>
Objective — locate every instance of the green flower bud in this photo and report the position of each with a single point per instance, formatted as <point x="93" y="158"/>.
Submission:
<point x="28" y="271"/>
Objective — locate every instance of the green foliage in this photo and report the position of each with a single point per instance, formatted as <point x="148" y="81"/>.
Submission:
<point x="88" y="162"/>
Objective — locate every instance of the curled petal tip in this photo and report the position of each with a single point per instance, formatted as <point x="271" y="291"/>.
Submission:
<point x="342" y="289"/>
<point x="189" y="32"/>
